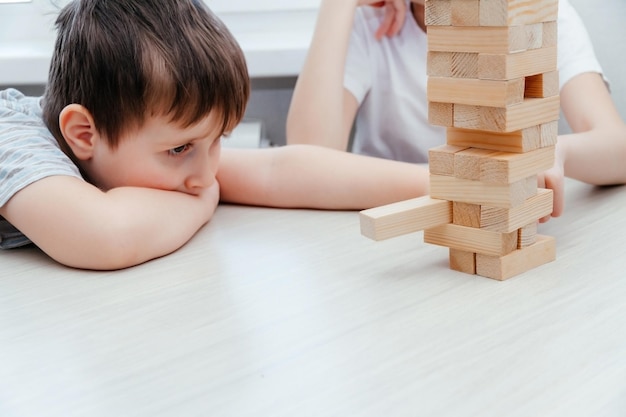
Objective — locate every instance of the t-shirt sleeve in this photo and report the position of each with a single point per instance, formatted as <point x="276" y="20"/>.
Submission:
<point x="28" y="151"/>
<point x="358" y="75"/>
<point x="575" y="50"/>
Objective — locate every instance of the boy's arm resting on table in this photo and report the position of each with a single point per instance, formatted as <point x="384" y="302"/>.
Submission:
<point x="80" y="226"/>
<point x="322" y="110"/>
<point x="306" y="176"/>
<point x="596" y="151"/>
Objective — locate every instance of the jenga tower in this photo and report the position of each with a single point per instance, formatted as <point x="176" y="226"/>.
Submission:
<point x="493" y="83"/>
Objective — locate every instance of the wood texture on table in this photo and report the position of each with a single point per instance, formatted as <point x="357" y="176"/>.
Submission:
<point x="272" y="312"/>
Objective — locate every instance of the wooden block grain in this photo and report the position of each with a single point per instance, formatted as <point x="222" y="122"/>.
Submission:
<point x="468" y="162"/>
<point x="466" y="214"/>
<point x="462" y="261"/>
<point x="441" y="159"/>
<point x="518" y="261"/>
<point x="517" y="12"/>
<point x="506" y="220"/>
<point x="508" y="167"/>
<point x="490" y="40"/>
<point x="470" y="91"/>
<point x="520" y="141"/>
<point x="438" y="12"/>
<point x="530" y="112"/>
<point x="476" y="192"/>
<point x="452" y="64"/>
<point x="470" y="239"/>
<point x="404" y="217"/>
<point x="465" y="13"/>
<point x="516" y="65"/>
<point x="441" y="114"/>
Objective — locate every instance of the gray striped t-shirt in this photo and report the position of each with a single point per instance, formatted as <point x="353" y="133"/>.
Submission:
<point x="28" y="153"/>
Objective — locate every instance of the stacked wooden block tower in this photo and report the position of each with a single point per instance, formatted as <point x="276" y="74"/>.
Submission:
<point x="493" y="83"/>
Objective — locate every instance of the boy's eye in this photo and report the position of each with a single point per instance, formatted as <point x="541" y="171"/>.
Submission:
<point x="179" y="150"/>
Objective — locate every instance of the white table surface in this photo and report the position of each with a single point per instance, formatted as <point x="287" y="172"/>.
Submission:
<point x="271" y="312"/>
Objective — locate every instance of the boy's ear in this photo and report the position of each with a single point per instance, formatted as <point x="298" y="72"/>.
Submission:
<point x="79" y="130"/>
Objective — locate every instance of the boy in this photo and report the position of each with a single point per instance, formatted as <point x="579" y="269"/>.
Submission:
<point x="354" y="74"/>
<point x="140" y="93"/>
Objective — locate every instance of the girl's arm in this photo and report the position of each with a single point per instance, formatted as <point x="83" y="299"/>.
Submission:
<point x="306" y="176"/>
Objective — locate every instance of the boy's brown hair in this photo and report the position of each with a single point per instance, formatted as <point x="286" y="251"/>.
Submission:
<point x="124" y="60"/>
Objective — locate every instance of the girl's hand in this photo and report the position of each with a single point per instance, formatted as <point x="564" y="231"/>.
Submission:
<point x="395" y="13"/>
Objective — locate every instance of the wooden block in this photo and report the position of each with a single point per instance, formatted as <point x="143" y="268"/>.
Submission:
<point x="465" y="12"/>
<point x="534" y="34"/>
<point x="550" y="34"/>
<point x="530" y="112"/>
<point x="492" y="93"/>
<point x="518" y="261"/>
<point x="507" y="167"/>
<point x="549" y="134"/>
<point x="441" y="159"/>
<point x="488" y="40"/>
<point x="438" y="12"/>
<point x="468" y="162"/>
<point x="520" y="64"/>
<point x="404" y="217"/>
<point x="527" y="235"/>
<point x="453" y="64"/>
<point x="441" y="114"/>
<point x="542" y="85"/>
<point x="505" y="220"/>
<point x="462" y="261"/>
<point x="476" y="192"/>
<point x="524" y="140"/>
<point x="517" y="12"/>
<point x="470" y="239"/>
<point x="466" y="214"/>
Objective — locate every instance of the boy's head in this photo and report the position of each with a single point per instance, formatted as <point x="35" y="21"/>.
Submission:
<point x="125" y="62"/>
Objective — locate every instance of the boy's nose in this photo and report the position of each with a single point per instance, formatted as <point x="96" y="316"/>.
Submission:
<point x="201" y="178"/>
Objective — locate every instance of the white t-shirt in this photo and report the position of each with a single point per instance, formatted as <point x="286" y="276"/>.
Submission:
<point x="388" y="79"/>
<point x="28" y="153"/>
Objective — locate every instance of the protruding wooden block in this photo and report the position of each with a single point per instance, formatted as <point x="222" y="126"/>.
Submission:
<point x="489" y="40"/>
<point x="518" y="261"/>
<point x="462" y="261"/>
<point x="476" y="192"/>
<point x="452" y="64"/>
<point x="470" y="239"/>
<point x="492" y="93"/>
<point x="517" y="12"/>
<point x="506" y="220"/>
<point x="542" y="85"/>
<point x="520" y="64"/>
<point x="441" y="159"/>
<point x="530" y="112"/>
<point x="441" y="114"/>
<point x="404" y="217"/>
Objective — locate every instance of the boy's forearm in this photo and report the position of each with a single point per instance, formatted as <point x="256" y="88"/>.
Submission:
<point x="83" y="227"/>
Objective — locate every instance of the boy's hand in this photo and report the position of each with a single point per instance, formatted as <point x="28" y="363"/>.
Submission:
<point x="395" y="13"/>
<point x="210" y="197"/>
